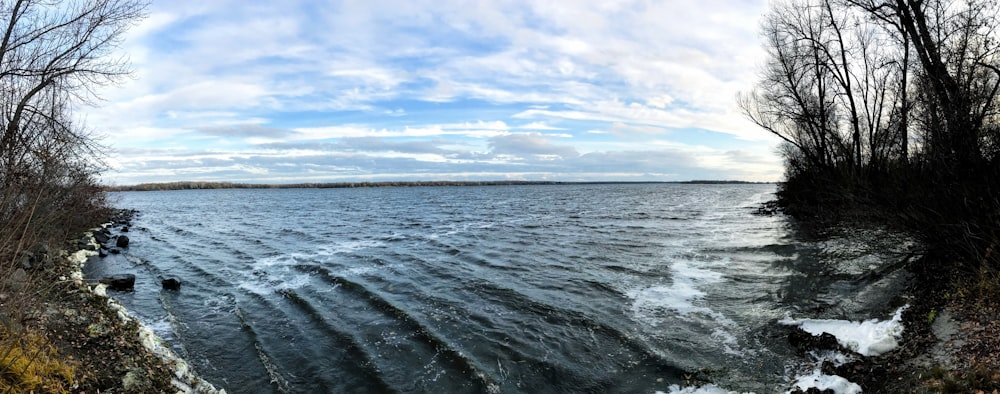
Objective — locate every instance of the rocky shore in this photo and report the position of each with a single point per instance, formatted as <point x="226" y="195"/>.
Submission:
<point x="950" y="343"/>
<point x="106" y="349"/>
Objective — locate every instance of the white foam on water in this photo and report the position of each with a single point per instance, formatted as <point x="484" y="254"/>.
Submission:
<point x="346" y="247"/>
<point x="272" y="284"/>
<point x="270" y="274"/>
<point x="371" y="269"/>
<point x="680" y="296"/>
<point x="730" y="345"/>
<point x="869" y="338"/>
<point x="653" y="305"/>
<point x="160" y="327"/>
<point x="277" y="273"/>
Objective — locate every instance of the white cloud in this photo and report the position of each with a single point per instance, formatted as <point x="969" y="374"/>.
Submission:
<point x="596" y="75"/>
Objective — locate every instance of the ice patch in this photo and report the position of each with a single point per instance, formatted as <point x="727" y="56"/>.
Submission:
<point x="822" y="382"/>
<point x="868" y="338"/>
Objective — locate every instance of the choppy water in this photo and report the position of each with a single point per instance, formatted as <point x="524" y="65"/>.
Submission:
<point x="569" y="288"/>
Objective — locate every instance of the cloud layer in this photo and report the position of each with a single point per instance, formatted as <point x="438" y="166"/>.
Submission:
<point x="325" y="91"/>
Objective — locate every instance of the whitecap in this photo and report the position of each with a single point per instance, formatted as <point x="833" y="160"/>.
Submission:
<point x="653" y="305"/>
<point x="346" y="247"/>
<point x="680" y="296"/>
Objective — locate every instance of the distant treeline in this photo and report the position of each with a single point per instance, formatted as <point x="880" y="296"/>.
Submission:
<point x="343" y="185"/>
<point x="334" y="185"/>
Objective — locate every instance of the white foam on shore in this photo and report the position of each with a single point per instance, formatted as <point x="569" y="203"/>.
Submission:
<point x="869" y="338"/>
<point x="820" y="381"/>
<point x="184" y="379"/>
<point x="823" y="382"/>
<point x="706" y="389"/>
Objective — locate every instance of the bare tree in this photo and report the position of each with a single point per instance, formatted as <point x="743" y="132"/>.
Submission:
<point x="52" y="55"/>
<point x="827" y="80"/>
<point x="956" y="46"/>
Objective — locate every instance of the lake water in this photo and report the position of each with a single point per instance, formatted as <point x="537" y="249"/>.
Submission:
<point x="558" y="288"/>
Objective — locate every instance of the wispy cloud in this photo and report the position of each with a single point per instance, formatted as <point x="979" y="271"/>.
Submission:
<point x="302" y="90"/>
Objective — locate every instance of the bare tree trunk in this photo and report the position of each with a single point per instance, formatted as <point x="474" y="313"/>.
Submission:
<point x="904" y="120"/>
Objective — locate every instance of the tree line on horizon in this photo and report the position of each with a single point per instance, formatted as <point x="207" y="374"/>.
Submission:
<point x="887" y="111"/>
<point x="207" y="185"/>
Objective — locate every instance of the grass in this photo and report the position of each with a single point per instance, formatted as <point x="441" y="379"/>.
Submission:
<point x="30" y="363"/>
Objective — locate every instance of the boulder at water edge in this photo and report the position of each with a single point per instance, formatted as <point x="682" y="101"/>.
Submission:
<point x="805" y="342"/>
<point x="171" y="284"/>
<point x="120" y="282"/>
<point x="122" y="241"/>
<point x="101" y="237"/>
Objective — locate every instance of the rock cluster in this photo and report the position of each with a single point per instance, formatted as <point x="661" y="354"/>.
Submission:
<point x="135" y="380"/>
<point x="106" y="243"/>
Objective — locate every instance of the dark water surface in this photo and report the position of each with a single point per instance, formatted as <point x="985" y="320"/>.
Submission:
<point x="569" y="288"/>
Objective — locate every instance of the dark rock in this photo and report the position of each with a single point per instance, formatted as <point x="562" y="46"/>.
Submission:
<point x="124" y="229"/>
<point x="42" y="249"/>
<point x="85" y="244"/>
<point x="122" y="241"/>
<point x="171" y="284"/>
<point x="101" y="237"/>
<point x="813" y="390"/>
<point x="102" y="252"/>
<point x="38" y="258"/>
<point x="115" y="251"/>
<point x="769" y="208"/>
<point x="805" y="342"/>
<point x="120" y="282"/>
<point x="26" y="262"/>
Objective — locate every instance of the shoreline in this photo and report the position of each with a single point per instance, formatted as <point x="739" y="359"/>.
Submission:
<point x="921" y="348"/>
<point x="94" y="343"/>
<point x="184" y="377"/>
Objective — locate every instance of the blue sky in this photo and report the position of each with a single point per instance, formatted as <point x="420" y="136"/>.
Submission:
<point x="327" y="91"/>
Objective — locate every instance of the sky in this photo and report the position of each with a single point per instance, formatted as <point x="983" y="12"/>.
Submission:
<point x="335" y="91"/>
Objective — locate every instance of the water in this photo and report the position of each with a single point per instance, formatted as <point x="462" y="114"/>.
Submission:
<point x="568" y="288"/>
